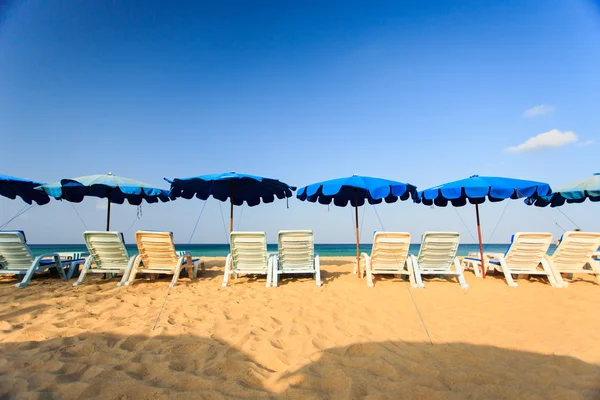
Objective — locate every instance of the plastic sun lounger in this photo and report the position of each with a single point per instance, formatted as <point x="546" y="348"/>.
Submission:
<point x="389" y="256"/>
<point x="158" y="256"/>
<point x="473" y="260"/>
<point x="296" y="255"/>
<point x="16" y="258"/>
<point x="437" y="256"/>
<point x="575" y="255"/>
<point x="108" y="254"/>
<point x="75" y="259"/>
<point x="525" y="256"/>
<point x="248" y="255"/>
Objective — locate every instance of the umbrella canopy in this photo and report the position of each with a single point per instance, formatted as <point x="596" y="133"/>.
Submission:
<point x="574" y="192"/>
<point x="12" y="187"/>
<point x="237" y="188"/>
<point x="476" y="190"/>
<point x="115" y="189"/>
<point x="356" y="190"/>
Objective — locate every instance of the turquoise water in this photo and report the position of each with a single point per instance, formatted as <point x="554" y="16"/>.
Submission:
<point x="221" y="250"/>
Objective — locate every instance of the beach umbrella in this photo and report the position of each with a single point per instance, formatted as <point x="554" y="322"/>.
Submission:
<point x="574" y="192"/>
<point x="356" y="190"/>
<point x="12" y="187"/>
<point x="238" y="188"/>
<point x="475" y="190"/>
<point x="115" y="189"/>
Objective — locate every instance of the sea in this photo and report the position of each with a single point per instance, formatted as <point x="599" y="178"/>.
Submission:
<point x="221" y="250"/>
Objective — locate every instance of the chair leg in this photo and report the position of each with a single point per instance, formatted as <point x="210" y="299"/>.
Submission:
<point x="227" y="268"/>
<point x="269" y="271"/>
<point x="507" y="274"/>
<point x="461" y="276"/>
<point x="553" y="276"/>
<point x="84" y="271"/>
<point x="132" y="274"/>
<point x="59" y="267"/>
<point x="130" y="266"/>
<point x="275" y="270"/>
<point x="477" y="268"/>
<point x="32" y="270"/>
<point x="415" y="273"/>
<point x="367" y="269"/>
<point x="195" y="271"/>
<point x="28" y="276"/>
<point x="74" y="266"/>
<point x="318" y="270"/>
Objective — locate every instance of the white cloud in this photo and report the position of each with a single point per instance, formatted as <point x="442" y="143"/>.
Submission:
<point x="543" y="109"/>
<point x="101" y="204"/>
<point x="553" y="138"/>
<point x="586" y="143"/>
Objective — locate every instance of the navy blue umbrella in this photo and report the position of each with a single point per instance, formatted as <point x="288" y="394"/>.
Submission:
<point x="238" y="188"/>
<point x="574" y="192"/>
<point x="12" y="187"/>
<point x="476" y="189"/>
<point x="356" y="190"/>
<point x="115" y="189"/>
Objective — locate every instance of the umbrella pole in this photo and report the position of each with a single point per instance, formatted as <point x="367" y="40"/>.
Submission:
<point x="108" y="216"/>
<point x="357" y="241"/>
<point x="231" y="210"/>
<point x="480" y="241"/>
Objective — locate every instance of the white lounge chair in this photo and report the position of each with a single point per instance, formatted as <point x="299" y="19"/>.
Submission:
<point x="473" y="261"/>
<point x="248" y="256"/>
<point x="527" y="256"/>
<point x="16" y="258"/>
<point x="437" y="256"/>
<point x="574" y="255"/>
<point x="108" y="254"/>
<point x="296" y="255"/>
<point x="158" y="256"/>
<point x="389" y="256"/>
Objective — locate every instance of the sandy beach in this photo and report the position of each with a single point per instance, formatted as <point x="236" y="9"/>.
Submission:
<point x="298" y="341"/>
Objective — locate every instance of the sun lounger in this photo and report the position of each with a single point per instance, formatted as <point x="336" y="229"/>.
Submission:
<point x="473" y="261"/>
<point x="158" y="256"/>
<point x="575" y="255"/>
<point x="389" y="256"/>
<point x="296" y="255"/>
<point x="108" y="255"/>
<point x="248" y="255"/>
<point x="16" y="258"/>
<point x="527" y="256"/>
<point x="437" y="256"/>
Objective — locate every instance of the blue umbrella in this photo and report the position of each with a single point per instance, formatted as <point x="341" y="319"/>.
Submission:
<point x="356" y="190"/>
<point x="115" y="189"/>
<point x="574" y="192"/>
<point x="475" y="190"/>
<point x="238" y="188"/>
<point x="12" y="187"/>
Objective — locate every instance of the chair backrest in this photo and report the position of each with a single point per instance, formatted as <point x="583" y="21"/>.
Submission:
<point x="157" y="249"/>
<point x="107" y="248"/>
<point x="390" y="250"/>
<point x="438" y="250"/>
<point x="14" y="251"/>
<point x="527" y="249"/>
<point x="249" y="251"/>
<point x="576" y="249"/>
<point x="296" y="249"/>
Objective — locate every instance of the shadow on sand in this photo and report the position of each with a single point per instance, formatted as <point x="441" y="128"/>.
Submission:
<point x="111" y="366"/>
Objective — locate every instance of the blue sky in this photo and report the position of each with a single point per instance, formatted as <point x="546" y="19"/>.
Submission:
<point x="420" y="92"/>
